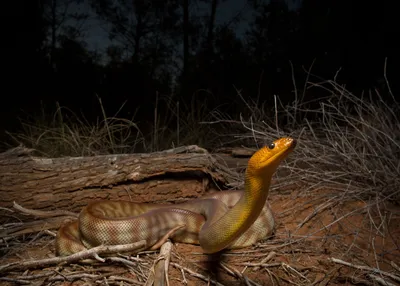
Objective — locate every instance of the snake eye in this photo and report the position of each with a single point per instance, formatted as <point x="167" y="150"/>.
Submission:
<point x="271" y="146"/>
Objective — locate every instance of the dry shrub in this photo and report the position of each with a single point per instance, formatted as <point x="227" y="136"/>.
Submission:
<point x="66" y="134"/>
<point x="346" y="143"/>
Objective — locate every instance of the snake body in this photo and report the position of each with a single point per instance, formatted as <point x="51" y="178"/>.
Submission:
<point x="228" y="219"/>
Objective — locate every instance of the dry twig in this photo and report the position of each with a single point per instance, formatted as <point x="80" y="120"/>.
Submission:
<point x="195" y="274"/>
<point x="366" y="268"/>
<point x="82" y="255"/>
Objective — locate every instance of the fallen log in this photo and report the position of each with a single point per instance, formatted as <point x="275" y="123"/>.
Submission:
<point x="69" y="183"/>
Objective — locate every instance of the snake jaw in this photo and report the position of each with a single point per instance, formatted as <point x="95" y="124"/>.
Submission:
<point x="266" y="160"/>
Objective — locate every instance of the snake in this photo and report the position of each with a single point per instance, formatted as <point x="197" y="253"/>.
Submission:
<point x="217" y="221"/>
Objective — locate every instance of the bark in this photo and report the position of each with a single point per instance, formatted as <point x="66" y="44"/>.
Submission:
<point x="70" y="183"/>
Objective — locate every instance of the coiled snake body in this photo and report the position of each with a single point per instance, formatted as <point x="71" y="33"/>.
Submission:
<point x="228" y="219"/>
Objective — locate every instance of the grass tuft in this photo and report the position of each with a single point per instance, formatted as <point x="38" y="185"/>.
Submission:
<point x="346" y="142"/>
<point x="66" y="134"/>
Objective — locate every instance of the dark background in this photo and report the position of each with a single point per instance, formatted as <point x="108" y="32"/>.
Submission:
<point x="187" y="50"/>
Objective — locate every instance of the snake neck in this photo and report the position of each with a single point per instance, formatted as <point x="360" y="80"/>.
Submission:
<point x="254" y="197"/>
<point x="239" y="218"/>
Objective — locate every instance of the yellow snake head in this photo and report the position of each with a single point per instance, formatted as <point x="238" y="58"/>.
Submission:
<point x="266" y="160"/>
<point x="262" y="165"/>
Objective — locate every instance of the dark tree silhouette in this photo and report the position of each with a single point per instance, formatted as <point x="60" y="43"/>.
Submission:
<point x="183" y="50"/>
<point x="62" y="21"/>
<point x="186" y="30"/>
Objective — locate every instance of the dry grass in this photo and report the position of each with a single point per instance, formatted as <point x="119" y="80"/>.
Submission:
<point x="67" y="134"/>
<point x="347" y="143"/>
<point x="178" y="123"/>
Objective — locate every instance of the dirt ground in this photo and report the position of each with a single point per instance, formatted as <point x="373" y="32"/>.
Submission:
<point x="314" y="239"/>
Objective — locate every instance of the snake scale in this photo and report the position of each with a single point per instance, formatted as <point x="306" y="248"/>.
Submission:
<point x="226" y="219"/>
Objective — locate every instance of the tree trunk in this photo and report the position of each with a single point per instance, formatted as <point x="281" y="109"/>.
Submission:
<point x="53" y="33"/>
<point x="70" y="183"/>
<point x="139" y="13"/>
<point x="210" y="36"/>
<point x="185" y="47"/>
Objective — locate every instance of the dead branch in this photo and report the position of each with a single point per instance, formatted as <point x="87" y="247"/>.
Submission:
<point x="82" y="255"/>
<point x="158" y="275"/>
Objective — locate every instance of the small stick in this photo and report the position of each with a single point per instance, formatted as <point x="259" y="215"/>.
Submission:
<point x="73" y="277"/>
<point x="235" y="273"/>
<point x="288" y="267"/>
<point x="395" y="266"/>
<point x="17" y="281"/>
<point x="259" y="264"/>
<point x="265" y="260"/>
<point x="365" y="268"/>
<point x="183" y="276"/>
<point x="195" y="274"/>
<point x="43" y="213"/>
<point x="123" y="261"/>
<point x="85" y="254"/>
<point x="380" y="280"/>
<point x="159" y="272"/>
<point x="123" y="279"/>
